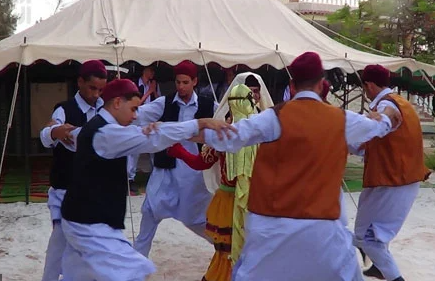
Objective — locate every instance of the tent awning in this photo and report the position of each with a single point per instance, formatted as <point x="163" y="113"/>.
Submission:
<point x="229" y="31"/>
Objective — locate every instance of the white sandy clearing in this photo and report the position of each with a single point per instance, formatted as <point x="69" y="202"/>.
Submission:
<point x="181" y="255"/>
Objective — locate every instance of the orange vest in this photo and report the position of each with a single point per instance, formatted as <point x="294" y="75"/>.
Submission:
<point x="299" y="175"/>
<point x="396" y="159"/>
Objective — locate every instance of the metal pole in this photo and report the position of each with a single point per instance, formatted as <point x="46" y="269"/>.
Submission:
<point x="359" y="78"/>
<point x="350" y="194"/>
<point x="11" y="112"/>
<point x="26" y="134"/>
<point x="117" y="62"/>
<point x="208" y="74"/>
<point x="283" y="62"/>
<point x="130" y="209"/>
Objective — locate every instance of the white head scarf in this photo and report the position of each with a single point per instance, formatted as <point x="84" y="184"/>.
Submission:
<point x="212" y="176"/>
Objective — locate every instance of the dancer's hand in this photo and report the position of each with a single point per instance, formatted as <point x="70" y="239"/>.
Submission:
<point x="394" y="115"/>
<point x="63" y="133"/>
<point x="51" y="123"/>
<point x="374" y="115"/>
<point x="217" y="125"/>
<point x="152" y="127"/>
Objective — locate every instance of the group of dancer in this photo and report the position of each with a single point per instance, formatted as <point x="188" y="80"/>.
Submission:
<point x="262" y="183"/>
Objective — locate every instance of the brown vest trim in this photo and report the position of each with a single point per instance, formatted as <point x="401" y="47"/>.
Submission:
<point x="390" y="99"/>
<point x="277" y="108"/>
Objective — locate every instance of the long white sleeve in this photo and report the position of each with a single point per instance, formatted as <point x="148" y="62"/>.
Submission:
<point x="45" y="134"/>
<point x="263" y="127"/>
<point x="113" y="140"/>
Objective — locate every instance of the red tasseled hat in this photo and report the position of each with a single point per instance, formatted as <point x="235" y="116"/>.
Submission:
<point x="93" y="68"/>
<point x="187" y="68"/>
<point x="326" y="89"/>
<point x="377" y="74"/>
<point x="306" y="67"/>
<point x="118" y="88"/>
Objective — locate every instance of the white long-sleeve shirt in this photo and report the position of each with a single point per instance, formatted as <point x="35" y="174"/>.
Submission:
<point x="114" y="140"/>
<point x="180" y="192"/>
<point x="265" y="127"/>
<point x="59" y="116"/>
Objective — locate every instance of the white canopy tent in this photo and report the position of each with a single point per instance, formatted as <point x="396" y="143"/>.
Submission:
<point x="251" y="32"/>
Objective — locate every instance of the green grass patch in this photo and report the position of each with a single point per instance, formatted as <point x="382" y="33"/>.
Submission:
<point x="429" y="160"/>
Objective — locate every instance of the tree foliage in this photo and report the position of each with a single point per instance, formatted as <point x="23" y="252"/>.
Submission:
<point x="399" y="27"/>
<point x="8" y="21"/>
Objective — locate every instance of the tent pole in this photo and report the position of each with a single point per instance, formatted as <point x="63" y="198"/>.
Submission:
<point x="359" y="78"/>
<point x="117" y="63"/>
<point x="14" y="100"/>
<point x="26" y="134"/>
<point x="350" y="194"/>
<point x="208" y="74"/>
<point x="283" y="62"/>
<point x="130" y="209"/>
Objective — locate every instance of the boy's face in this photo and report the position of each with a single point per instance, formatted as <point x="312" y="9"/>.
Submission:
<point x="126" y="110"/>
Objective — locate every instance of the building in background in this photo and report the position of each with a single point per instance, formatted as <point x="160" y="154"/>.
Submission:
<point x="317" y="10"/>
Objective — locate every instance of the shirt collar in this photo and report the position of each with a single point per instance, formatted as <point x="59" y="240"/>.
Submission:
<point x="142" y="83"/>
<point x="107" y="116"/>
<point x="84" y="106"/>
<point x="382" y="94"/>
<point x="193" y="99"/>
<point x="307" y="94"/>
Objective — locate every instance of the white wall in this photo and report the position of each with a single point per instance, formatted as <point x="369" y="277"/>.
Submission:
<point x="352" y="3"/>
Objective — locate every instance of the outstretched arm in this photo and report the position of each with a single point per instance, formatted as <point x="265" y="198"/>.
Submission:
<point x="113" y="140"/>
<point x="263" y="127"/>
<point x="196" y="162"/>
<point x="360" y="129"/>
<point x="57" y="120"/>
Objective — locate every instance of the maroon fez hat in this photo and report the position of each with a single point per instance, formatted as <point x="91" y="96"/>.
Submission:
<point x="377" y="74"/>
<point x="305" y="67"/>
<point x="325" y="91"/>
<point x="187" y="68"/>
<point x="118" y="88"/>
<point x="93" y="68"/>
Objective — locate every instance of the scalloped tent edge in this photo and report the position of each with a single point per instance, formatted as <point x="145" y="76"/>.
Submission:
<point x="221" y="32"/>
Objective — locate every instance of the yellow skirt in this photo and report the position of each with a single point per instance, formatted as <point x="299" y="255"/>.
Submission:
<point x="219" y="228"/>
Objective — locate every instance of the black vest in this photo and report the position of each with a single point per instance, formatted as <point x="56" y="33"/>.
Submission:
<point x="170" y="113"/>
<point x="62" y="164"/>
<point x="99" y="189"/>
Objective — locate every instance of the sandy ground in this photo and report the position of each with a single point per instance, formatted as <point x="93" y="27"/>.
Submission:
<point x="181" y="255"/>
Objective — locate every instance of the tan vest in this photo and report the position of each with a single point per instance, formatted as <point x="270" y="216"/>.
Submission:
<point x="299" y="175"/>
<point x="396" y="159"/>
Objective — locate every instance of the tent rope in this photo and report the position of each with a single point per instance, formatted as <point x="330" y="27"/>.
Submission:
<point x="342" y="36"/>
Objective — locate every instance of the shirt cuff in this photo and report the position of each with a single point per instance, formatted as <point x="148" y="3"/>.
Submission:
<point x="45" y="136"/>
<point x="192" y="128"/>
